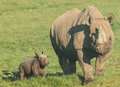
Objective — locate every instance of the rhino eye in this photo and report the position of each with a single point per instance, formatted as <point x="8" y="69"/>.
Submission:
<point x="93" y="38"/>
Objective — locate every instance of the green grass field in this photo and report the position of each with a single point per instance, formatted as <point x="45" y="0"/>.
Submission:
<point x="24" y="26"/>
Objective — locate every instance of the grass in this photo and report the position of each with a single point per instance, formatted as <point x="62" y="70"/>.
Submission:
<point x="24" y="26"/>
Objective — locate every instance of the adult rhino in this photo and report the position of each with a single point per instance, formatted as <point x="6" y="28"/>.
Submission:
<point x="80" y="36"/>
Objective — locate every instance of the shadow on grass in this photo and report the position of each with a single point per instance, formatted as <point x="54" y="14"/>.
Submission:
<point x="11" y="76"/>
<point x="81" y="78"/>
<point x="59" y="74"/>
<point x="56" y="74"/>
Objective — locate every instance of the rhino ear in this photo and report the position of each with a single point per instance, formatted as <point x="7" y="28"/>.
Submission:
<point x="89" y="20"/>
<point x="110" y="19"/>
<point x="97" y="31"/>
<point x="36" y="55"/>
<point x="42" y="52"/>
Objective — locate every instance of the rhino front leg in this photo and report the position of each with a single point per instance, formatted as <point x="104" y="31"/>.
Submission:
<point x="86" y="67"/>
<point x="100" y="62"/>
<point x="68" y="67"/>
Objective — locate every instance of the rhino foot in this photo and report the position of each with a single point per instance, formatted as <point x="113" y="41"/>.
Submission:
<point x="99" y="72"/>
<point x="88" y="80"/>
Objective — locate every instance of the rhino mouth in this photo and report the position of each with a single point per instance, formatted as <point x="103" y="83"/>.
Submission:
<point x="103" y="48"/>
<point x="100" y="50"/>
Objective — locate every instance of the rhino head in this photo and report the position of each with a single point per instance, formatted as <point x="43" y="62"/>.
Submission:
<point x="42" y="58"/>
<point x="100" y="40"/>
<point x="100" y="29"/>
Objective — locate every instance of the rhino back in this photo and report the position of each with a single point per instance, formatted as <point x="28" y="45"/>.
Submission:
<point x="62" y="25"/>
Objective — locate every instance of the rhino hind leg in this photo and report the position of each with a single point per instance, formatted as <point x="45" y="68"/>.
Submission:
<point x="100" y="62"/>
<point x="68" y="67"/>
<point x="86" y="67"/>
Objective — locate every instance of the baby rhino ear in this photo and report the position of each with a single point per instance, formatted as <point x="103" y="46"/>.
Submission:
<point x="42" y="52"/>
<point x="36" y="55"/>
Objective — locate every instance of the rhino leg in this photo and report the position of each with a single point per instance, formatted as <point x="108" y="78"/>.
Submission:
<point x="68" y="67"/>
<point x="100" y="62"/>
<point x="99" y="66"/>
<point x="86" y="67"/>
<point x="22" y="73"/>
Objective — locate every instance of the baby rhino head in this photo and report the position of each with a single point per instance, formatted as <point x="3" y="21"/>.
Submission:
<point x="43" y="59"/>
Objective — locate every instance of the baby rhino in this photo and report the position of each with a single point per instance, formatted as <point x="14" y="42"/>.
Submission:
<point x="33" y="67"/>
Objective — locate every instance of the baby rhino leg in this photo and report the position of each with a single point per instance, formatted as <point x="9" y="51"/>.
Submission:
<point x="21" y="73"/>
<point x="35" y="68"/>
<point x="37" y="71"/>
<point x="42" y="72"/>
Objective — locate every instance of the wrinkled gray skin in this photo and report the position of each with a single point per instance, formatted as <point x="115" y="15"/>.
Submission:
<point x="34" y="66"/>
<point x="81" y="36"/>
